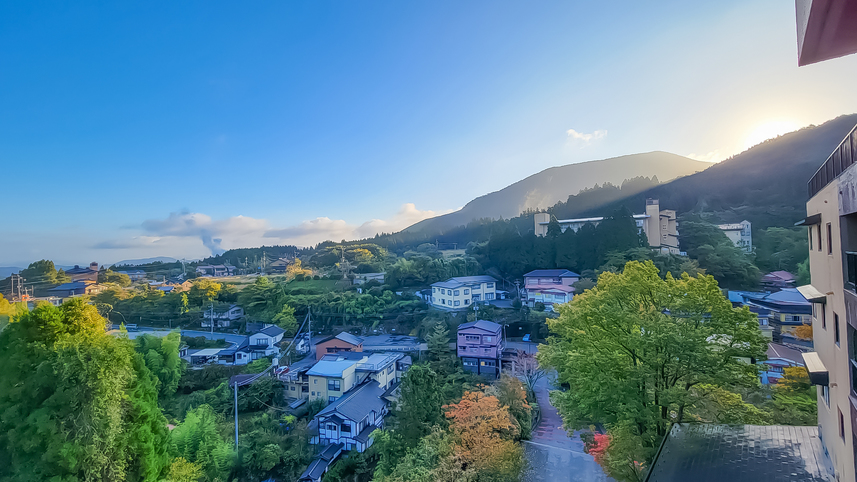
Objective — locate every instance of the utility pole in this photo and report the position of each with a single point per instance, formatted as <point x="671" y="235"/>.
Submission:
<point x="236" y="414"/>
<point x="309" y="320"/>
<point x="211" y="318"/>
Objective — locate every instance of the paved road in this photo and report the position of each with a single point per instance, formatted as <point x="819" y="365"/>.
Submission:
<point x="552" y="454"/>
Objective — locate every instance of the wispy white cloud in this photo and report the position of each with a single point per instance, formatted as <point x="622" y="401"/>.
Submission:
<point x="585" y="138"/>
<point x="180" y="229"/>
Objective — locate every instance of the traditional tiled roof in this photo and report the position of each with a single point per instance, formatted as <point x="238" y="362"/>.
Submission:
<point x="272" y="330"/>
<point x="358" y="402"/>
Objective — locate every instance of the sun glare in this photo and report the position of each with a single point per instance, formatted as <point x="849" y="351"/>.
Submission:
<point x="769" y="130"/>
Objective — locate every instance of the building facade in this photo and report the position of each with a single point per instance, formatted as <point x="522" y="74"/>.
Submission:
<point x="832" y="231"/>
<point x="480" y="347"/>
<point x="659" y="226"/>
<point x="740" y="234"/>
<point x="549" y="286"/>
<point x="461" y="292"/>
<point x="343" y="342"/>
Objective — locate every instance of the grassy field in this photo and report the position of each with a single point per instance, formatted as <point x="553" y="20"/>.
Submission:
<point x="314" y="284"/>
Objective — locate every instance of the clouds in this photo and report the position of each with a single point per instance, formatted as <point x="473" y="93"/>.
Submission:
<point x="713" y="156"/>
<point x="584" y="138"/>
<point x="180" y="230"/>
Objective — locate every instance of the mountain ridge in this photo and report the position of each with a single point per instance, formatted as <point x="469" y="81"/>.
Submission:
<point x="545" y="188"/>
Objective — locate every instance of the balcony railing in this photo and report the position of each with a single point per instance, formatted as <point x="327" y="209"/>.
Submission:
<point x="841" y="159"/>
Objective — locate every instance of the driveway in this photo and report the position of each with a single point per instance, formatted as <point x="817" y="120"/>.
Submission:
<point x="552" y="454"/>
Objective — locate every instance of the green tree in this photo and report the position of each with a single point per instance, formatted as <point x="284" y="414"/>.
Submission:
<point x="78" y="404"/>
<point x="633" y="348"/>
<point x="109" y="276"/>
<point x="420" y="405"/>
<point x="183" y="471"/>
<point x="440" y="358"/>
<point x="162" y="358"/>
<point x="286" y="320"/>
<point x="197" y="439"/>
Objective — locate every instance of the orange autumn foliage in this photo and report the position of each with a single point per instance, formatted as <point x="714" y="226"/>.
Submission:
<point x="804" y="332"/>
<point x="484" y="432"/>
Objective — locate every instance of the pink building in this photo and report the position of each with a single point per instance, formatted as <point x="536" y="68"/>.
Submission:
<point x="549" y="286"/>
<point x="480" y="345"/>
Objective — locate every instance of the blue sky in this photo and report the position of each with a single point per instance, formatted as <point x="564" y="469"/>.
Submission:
<point x="149" y="129"/>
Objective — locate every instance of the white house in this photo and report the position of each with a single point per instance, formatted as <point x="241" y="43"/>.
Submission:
<point x="224" y="316"/>
<point x="459" y="293"/>
<point x="740" y="234"/>
<point x="268" y="338"/>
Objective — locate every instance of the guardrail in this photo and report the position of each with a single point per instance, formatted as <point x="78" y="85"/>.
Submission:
<point x="842" y="157"/>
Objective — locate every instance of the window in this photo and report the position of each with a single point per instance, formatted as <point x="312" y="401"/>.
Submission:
<point x="331" y="399"/>
<point x="331" y="426"/>
<point x="455" y="293"/>
<point x="466" y="302"/>
<point x="345" y="427"/>
<point x="489" y="363"/>
<point x="462" y="347"/>
<point x="466" y="291"/>
<point x="434" y="290"/>
<point x="470" y="363"/>
<point x="841" y="423"/>
<point x="825" y="395"/>
<point x="442" y="301"/>
<point x="818" y="233"/>
<point x="489" y="285"/>
<point x="293" y="388"/>
<point x="390" y="369"/>
<point x="474" y="338"/>
<point x="795" y="317"/>
<point x="810" y="237"/>
<point x="313" y="394"/>
<point x="457" y="302"/>
<point x="315" y="381"/>
<point x="334" y="385"/>
<point x="836" y="329"/>
<point x="829" y="239"/>
<point x="443" y="291"/>
<point x="304" y="389"/>
<point x="488" y="339"/>
<point x="824" y="316"/>
<point x="486" y="351"/>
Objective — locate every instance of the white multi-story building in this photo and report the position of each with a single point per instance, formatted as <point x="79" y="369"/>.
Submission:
<point x="461" y="292"/>
<point x="740" y="234"/>
<point x="659" y="226"/>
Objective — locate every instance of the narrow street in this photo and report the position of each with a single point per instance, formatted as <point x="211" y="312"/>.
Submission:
<point x="552" y="454"/>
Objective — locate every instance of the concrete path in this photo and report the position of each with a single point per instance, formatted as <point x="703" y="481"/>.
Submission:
<point x="552" y="454"/>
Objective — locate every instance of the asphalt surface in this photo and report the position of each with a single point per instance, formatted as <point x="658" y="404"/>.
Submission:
<point x="553" y="454"/>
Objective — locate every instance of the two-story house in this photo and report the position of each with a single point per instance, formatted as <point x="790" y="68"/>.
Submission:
<point x="459" y="293"/>
<point x="480" y="346"/>
<point x="343" y="342"/>
<point x="336" y="374"/>
<point x="549" y="286"/>
<point x="223" y="315"/>
<point x="216" y="270"/>
<point x="351" y="419"/>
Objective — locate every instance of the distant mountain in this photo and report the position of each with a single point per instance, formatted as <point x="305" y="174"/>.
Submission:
<point x="137" y="262"/>
<point x="765" y="184"/>
<point x="6" y="271"/>
<point x="555" y="184"/>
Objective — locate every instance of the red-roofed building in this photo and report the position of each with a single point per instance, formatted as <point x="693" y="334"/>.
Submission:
<point x="549" y="286"/>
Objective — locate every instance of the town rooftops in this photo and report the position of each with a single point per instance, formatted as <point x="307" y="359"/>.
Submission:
<point x="357" y="403"/>
<point x="392" y="342"/>
<point x="343" y="336"/>
<point x="741" y="453"/>
<point x="465" y="281"/>
<point x="332" y="368"/>
<point x="552" y="273"/>
<point x="783" y="275"/>
<point x="776" y="350"/>
<point x="74" y="285"/>
<point x="78" y="270"/>
<point x="378" y="361"/>
<point x="272" y="330"/>
<point x="488" y="326"/>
